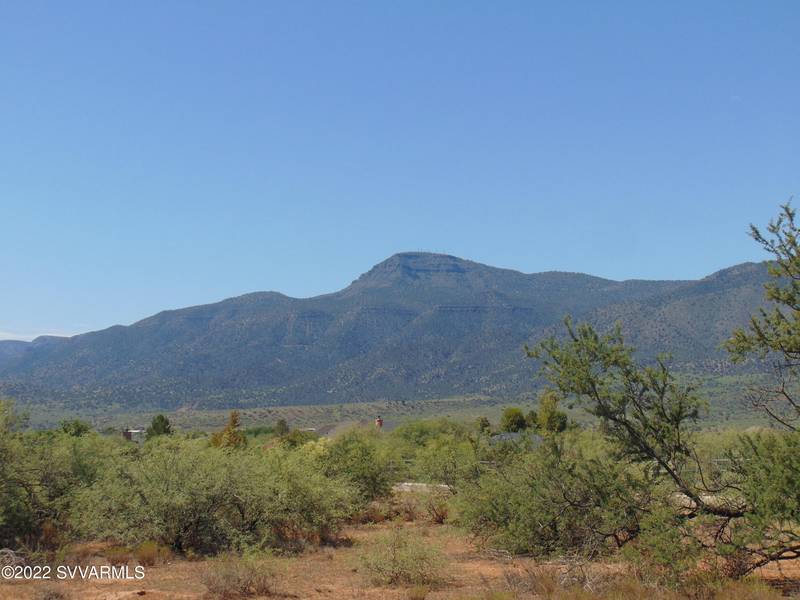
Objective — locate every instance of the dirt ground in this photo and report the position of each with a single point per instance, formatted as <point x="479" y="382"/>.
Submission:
<point x="327" y="573"/>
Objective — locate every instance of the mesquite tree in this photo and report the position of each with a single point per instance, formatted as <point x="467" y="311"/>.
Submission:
<point x="774" y="332"/>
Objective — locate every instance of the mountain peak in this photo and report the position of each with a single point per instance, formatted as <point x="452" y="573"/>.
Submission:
<point x="412" y="266"/>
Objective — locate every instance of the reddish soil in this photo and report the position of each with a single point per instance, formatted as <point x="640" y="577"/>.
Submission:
<point x="327" y="573"/>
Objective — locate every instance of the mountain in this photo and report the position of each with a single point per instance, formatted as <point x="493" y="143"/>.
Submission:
<point x="417" y="325"/>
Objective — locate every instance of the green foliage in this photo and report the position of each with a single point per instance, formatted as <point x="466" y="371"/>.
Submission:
<point x="297" y="437"/>
<point x="39" y="472"/>
<point x="448" y="460"/>
<point x="644" y="410"/>
<point x="75" y="427"/>
<point x="195" y="498"/>
<point x="260" y="430"/>
<point x="751" y="510"/>
<point x="767" y="467"/>
<point x="399" y="557"/>
<point x="776" y="329"/>
<point x="513" y="420"/>
<point x="555" y="500"/>
<point x="774" y="332"/>
<point x="160" y="425"/>
<point x="416" y="433"/>
<point x="549" y="419"/>
<point x="664" y="552"/>
<point x="356" y="456"/>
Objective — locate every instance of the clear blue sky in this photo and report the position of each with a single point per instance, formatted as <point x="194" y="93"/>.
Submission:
<point x="161" y="154"/>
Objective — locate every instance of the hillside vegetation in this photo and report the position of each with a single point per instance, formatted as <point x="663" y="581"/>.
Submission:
<point x="415" y="326"/>
<point x="632" y="500"/>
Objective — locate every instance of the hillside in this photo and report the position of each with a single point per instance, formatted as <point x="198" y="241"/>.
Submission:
<point x="415" y="326"/>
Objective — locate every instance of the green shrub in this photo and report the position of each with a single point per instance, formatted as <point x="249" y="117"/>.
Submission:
<point x="75" y="427"/>
<point x="554" y="501"/>
<point x="663" y="553"/>
<point x="296" y="438"/>
<point x="160" y="425"/>
<point x="401" y="558"/>
<point x="356" y="456"/>
<point x="39" y="473"/>
<point x="512" y="420"/>
<point x="195" y="498"/>
<point x="447" y="460"/>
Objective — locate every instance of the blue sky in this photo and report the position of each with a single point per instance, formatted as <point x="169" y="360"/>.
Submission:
<point x="161" y="154"/>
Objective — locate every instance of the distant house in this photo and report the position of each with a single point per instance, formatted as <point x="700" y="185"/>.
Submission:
<point x="133" y="435"/>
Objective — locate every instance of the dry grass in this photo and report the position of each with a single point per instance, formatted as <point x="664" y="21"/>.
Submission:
<point x="418" y="592"/>
<point x="592" y="583"/>
<point x="117" y="555"/>
<point x="50" y="593"/>
<point x="232" y="577"/>
<point x="402" y="557"/>
<point x="337" y="572"/>
<point x="148" y="554"/>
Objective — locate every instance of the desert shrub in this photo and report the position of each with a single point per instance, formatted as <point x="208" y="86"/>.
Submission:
<point x="483" y="425"/>
<point x="407" y="506"/>
<point x="513" y="420"/>
<point x="549" y="419"/>
<point x="356" y="456"/>
<point x="151" y="553"/>
<point x="437" y="506"/>
<point x="288" y="500"/>
<point x="412" y="435"/>
<point x="75" y="427"/>
<point x="174" y="492"/>
<point x="231" y="577"/>
<point x="399" y="557"/>
<point x="767" y="465"/>
<point x="296" y="438"/>
<point x="260" y="430"/>
<point x="198" y="499"/>
<point x="160" y="425"/>
<point x="374" y="512"/>
<point x="39" y="473"/>
<point x="448" y="460"/>
<point x="663" y="553"/>
<point x="555" y="501"/>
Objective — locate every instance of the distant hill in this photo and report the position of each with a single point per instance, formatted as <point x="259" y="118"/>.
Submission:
<point x="415" y="326"/>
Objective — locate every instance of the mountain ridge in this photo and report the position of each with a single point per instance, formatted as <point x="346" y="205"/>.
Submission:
<point x="415" y="325"/>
